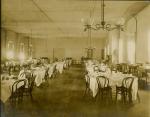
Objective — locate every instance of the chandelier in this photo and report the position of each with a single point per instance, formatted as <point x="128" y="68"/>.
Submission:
<point x="103" y="25"/>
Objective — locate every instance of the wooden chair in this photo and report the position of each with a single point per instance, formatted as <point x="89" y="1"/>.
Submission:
<point x="133" y="70"/>
<point x="125" y="90"/>
<point x="143" y="76"/>
<point x="118" y="67"/>
<point x="148" y="78"/>
<point x="28" y="90"/>
<point x="17" y="68"/>
<point x="18" y="89"/>
<point x="113" y="68"/>
<point x="104" y="89"/>
<point x="54" y="72"/>
<point x="124" y="67"/>
<point x="87" y="84"/>
<point x="46" y="77"/>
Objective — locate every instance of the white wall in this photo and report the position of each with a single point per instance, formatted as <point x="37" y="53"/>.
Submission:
<point x="16" y="39"/>
<point x="143" y="36"/>
<point x="72" y="47"/>
<point x="113" y="45"/>
<point x="130" y="38"/>
<point x="127" y="46"/>
<point x="139" y="48"/>
<point x="63" y="47"/>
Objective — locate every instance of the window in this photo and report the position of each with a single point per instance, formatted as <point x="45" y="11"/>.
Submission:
<point x="21" y="52"/>
<point x="10" y="50"/>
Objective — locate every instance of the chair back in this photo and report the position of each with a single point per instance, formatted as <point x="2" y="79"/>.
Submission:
<point x="127" y="82"/>
<point x="31" y="81"/>
<point x="124" y="68"/>
<point x="54" y="69"/>
<point x="102" y="81"/>
<point x="46" y="73"/>
<point x="23" y="75"/>
<point x="119" y="68"/>
<point x="87" y="80"/>
<point x="18" y="85"/>
<point x="139" y="72"/>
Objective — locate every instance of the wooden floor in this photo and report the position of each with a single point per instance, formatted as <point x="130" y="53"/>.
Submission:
<point x="63" y="97"/>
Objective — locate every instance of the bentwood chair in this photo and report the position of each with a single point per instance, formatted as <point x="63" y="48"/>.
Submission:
<point x="54" y="72"/>
<point x="124" y="67"/>
<point x="17" y="91"/>
<point x="133" y="70"/>
<point x="143" y="76"/>
<point x="87" y="84"/>
<point x="118" y="67"/>
<point x="16" y="67"/>
<point x="148" y="78"/>
<point x="30" y="85"/>
<point x="146" y="75"/>
<point x="46" y="77"/>
<point x="46" y="74"/>
<point x="113" y="68"/>
<point x="104" y="89"/>
<point x="125" y="90"/>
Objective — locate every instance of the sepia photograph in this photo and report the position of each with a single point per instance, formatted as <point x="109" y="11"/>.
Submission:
<point x="75" y="58"/>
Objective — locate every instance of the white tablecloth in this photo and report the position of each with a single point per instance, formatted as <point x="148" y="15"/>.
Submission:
<point x="51" y="69"/>
<point x="6" y="89"/>
<point x="114" y="79"/>
<point x="60" y="67"/>
<point x="39" y="76"/>
<point x="69" y="62"/>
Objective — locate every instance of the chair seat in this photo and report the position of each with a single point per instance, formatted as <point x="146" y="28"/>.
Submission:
<point x="122" y="89"/>
<point x="106" y="88"/>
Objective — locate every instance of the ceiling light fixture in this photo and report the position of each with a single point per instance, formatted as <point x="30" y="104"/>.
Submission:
<point x="103" y="25"/>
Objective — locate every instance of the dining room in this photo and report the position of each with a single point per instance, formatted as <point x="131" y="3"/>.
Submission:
<point x="75" y="58"/>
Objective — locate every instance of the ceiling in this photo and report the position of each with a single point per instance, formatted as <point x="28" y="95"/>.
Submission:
<point x="63" y="18"/>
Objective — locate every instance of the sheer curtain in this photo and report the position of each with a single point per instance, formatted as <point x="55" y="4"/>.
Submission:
<point x="148" y="46"/>
<point x="121" y="48"/>
<point x="130" y="48"/>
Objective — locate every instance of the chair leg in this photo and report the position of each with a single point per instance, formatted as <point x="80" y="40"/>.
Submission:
<point x="31" y="97"/>
<point x="130" y="97"/>
<point x="13" y="101"/>
<point x="111" y="100"/>
<point x="123" y="97"/>
<point x="138" y="97"/>
<point x="20" y="97"/>
<point x="85" y="92"/>
<point x="102" y="95"/>
<point x="116" y="97"/>
<point x="98" y="95"/>
<point x="146" y="81"/>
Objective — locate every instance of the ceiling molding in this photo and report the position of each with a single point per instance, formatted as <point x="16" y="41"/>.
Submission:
<point x="134" y="10"/>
